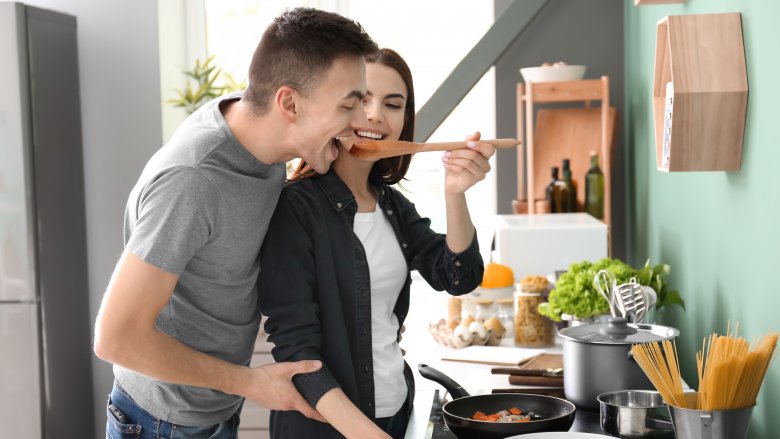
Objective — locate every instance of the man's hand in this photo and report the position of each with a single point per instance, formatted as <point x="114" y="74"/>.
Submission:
<point x="271" y="386"/>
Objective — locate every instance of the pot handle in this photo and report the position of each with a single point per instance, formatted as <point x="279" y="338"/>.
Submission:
<point x="455" y="389"/>
<point x="658" y="423"/>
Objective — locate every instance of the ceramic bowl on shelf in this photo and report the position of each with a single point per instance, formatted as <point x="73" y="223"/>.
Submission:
<point x="553" y="73"/>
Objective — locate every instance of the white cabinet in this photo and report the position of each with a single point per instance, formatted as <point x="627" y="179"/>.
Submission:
<point x="254" y="418"/>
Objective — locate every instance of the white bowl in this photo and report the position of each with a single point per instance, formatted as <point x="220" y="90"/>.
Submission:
<point x="553" y="73"/>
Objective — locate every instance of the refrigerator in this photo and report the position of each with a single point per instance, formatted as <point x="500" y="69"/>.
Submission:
<point x="45" y="336"/>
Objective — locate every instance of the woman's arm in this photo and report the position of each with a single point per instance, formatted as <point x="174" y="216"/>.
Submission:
<point x="345" y="417"/>
<point x="463" y="169"/>
<point x="288" y="297"/>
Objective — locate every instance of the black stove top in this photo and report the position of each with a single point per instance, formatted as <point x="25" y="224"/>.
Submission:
<point x="440" y="430"/>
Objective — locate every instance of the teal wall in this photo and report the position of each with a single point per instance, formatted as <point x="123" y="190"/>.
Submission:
<point x="719" y="231"/>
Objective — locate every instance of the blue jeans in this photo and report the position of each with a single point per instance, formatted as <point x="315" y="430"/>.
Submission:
<point x="127" y="420"/>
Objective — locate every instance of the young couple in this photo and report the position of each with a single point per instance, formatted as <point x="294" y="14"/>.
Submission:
<point x="182" y="309"/>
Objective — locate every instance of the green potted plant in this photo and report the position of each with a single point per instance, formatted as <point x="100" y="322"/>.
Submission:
<point x="575" y="295"/>
<point x="209" y="82"/>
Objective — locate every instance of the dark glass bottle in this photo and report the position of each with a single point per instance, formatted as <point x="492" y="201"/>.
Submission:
<point x="570" y="204"/>
<point x="549" y="192"/>
<point x="594" y="188"/>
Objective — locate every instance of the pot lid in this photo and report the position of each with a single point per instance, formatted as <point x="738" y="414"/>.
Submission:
<point x="619" y="331"/>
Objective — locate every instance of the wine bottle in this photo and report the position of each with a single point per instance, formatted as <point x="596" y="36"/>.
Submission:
<point x="594" y="188"/>
<point x="549" y="192"/>
<point x="561" y="196"/>
<point x="570" y="204"/>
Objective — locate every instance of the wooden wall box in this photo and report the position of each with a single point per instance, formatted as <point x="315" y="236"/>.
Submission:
<point x="700" y="92"/>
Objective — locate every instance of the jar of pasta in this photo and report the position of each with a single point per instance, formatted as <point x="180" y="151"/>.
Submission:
<point x="531" y="328"/>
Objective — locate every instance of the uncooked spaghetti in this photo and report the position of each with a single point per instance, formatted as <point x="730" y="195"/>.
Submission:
<point x="730" y="372"/>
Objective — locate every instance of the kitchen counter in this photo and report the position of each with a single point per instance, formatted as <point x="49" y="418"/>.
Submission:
<point x="429" y="306"/>
<point x="475" y="378"/>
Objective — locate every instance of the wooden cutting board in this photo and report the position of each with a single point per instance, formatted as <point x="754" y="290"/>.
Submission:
<point x="491" y="355"/>
<point x="568" y="133"/>
<point x="536" y="381"/>
<point x="541" y="361"/>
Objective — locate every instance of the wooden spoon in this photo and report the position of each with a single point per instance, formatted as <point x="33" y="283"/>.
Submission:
<point x="379" y="149"/>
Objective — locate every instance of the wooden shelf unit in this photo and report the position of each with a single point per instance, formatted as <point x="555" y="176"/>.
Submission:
<point x="702" y="120"/>
<point x="584" y="91"/>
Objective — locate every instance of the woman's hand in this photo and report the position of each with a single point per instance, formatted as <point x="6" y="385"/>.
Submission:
<point x="463" y="168"/>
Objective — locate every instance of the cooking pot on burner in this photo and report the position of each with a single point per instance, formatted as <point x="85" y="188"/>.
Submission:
<point x="597" y="358"/>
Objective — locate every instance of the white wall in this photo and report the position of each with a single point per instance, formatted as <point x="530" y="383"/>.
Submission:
<point x="120" y="105"/>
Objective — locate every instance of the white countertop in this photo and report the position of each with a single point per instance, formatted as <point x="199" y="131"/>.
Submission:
<point x="429" y="305"/>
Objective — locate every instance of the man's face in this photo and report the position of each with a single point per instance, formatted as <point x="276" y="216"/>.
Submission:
<point x="334" y="108"/>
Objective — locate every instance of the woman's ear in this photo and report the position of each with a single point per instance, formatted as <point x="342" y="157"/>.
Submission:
<point x="286" y="100"/>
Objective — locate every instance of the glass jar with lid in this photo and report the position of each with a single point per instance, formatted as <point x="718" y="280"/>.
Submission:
<point x="531" y="328"/>
<point x="506" y="315"/>
<point x="484" y="309"/>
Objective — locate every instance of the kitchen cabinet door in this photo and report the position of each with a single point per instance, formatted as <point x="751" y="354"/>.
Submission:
<point x="20" y="407"/>
<point x="253" y="434"/>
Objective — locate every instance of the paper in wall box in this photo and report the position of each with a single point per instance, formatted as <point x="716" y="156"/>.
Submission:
<point x="544" y="243"/>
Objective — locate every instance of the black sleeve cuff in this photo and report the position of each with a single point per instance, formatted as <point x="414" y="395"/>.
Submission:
<point x="465" y="269"/>
<point x="313" y="385"/>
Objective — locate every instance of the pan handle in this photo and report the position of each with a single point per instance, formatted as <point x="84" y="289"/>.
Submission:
<point x="455" y="389"/>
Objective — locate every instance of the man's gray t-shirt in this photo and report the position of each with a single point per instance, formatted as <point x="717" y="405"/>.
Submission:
<point x="201" y="210"/>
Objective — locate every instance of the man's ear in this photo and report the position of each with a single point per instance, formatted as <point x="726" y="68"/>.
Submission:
<point x="286" y="101"/>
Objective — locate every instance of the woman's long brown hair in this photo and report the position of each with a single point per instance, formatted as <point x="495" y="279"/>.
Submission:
<point x="389" y="170"/>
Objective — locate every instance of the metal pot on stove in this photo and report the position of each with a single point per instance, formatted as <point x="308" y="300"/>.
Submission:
<point x="597" y="358"/>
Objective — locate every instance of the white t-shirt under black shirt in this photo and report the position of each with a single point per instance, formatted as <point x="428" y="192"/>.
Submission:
<point x="388" y="270"/>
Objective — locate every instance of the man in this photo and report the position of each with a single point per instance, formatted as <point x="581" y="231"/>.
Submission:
<point x="180" y="316"/>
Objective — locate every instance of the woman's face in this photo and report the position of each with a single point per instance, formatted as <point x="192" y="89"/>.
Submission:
<point x="384" y="104"/>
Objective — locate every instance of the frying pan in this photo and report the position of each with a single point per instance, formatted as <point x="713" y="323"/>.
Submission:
<point x="550" y="413"/>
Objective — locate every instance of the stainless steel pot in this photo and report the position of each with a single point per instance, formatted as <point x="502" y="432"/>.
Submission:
<point x="635" y="414"/>
<point x="597" y="358"/>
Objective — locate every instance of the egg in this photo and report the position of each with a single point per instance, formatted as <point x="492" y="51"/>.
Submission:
<point x="462" y="332"/>
<point x="479" y="329"/>
<point x="495" y="325"/>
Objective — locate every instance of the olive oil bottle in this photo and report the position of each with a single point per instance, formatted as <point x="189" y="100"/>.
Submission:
<point x="556" y="193"/>
<point x="570" y="204"/>
<point x="594" y="188"/>
<point x="549" y="192"/>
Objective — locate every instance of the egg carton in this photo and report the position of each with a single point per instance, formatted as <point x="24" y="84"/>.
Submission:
<point x="461" y="335"/>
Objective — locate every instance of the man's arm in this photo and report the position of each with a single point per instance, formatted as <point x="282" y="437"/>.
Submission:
<point x="125" y="334"/>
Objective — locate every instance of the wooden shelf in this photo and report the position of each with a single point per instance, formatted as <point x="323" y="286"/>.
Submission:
<point x="564" y="133"/>
<point x="700" y="92"/>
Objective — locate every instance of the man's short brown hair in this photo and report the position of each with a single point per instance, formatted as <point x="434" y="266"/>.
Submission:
<point x="297" y="48"/>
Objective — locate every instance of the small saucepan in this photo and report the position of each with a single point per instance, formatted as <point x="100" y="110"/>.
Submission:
<point x="549" y="413"/>
<point x="635" y="414"/>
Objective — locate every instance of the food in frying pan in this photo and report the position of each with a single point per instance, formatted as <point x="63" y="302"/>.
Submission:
<point x="514" y="414"/>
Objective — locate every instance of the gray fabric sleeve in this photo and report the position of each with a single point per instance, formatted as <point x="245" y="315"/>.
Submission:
<point x="176" y="215"/>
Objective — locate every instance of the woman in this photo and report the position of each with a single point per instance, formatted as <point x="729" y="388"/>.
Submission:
<point x="336" y="262"/>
